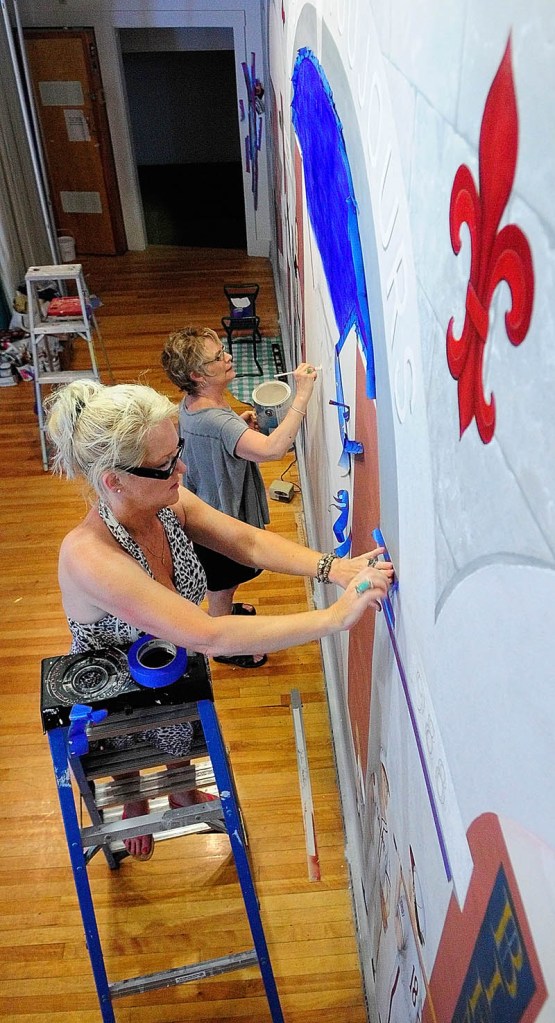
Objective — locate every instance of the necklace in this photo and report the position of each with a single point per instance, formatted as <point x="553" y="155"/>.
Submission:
<point x="160" y="557"/>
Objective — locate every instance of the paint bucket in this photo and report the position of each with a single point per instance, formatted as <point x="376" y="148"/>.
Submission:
<point x="272" y="400"/>
<point x="67" y="248"/>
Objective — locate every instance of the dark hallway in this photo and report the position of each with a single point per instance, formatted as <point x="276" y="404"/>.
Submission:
<point x="194" y="204"/>
<point x="183" y="114"/>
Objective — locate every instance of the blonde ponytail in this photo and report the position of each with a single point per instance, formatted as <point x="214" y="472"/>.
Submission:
<point x="94" y="428"/>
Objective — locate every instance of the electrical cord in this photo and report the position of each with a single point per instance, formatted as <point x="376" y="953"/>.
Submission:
<point x="295" y="486"/>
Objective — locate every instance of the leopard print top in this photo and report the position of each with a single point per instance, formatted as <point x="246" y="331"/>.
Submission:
<point x="188" y="576"/>
<point x="190" y="581"/>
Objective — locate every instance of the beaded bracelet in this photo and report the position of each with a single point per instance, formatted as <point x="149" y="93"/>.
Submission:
<point x="293" y="409"/>
<point x="324" y="566"/>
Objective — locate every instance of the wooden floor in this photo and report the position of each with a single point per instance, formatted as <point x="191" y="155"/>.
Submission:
<point x="185" y="903"/>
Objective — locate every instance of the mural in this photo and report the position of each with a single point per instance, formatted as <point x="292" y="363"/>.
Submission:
<point x="328" y="189"/>
<point x="413" y="238"/>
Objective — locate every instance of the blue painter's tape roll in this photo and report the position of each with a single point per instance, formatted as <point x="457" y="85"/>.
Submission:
<point x="155" y="662"/>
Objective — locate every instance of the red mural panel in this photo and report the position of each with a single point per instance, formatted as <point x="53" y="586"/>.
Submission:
<point x="299" y="259"/>
<point x="365" y="518"/>
<point x="486" y="967"/>
<point x="277" y="159"/>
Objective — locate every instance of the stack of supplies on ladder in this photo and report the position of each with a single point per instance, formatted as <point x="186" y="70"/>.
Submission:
<point x="65" y="307"/>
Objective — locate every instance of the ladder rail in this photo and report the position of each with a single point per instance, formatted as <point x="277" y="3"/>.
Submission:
<point x="226" y="788"/>
<point x="92" y="809"/>
<point x="58" y="749"/>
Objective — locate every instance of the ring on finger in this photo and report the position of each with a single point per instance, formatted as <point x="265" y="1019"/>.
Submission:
<point x="372" y="562"/>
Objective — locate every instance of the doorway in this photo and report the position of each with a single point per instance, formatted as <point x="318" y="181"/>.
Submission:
<point x="71" y="108"/>
<point x="183" y="115"/>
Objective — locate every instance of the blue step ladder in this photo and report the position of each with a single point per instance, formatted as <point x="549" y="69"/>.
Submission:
<point x="116" y="706"/>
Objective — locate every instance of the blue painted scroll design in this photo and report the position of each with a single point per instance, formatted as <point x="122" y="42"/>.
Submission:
<point x="341" y="531"/>
<point x="253" y="140"/>
<point x="333" y="214"/>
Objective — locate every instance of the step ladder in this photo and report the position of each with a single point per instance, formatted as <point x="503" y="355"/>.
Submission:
<point x="132" y="708"/>
<point x="42" y="327"/>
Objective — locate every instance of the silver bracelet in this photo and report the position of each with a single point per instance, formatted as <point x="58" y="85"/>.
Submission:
<point x="324" y="566"/>
<point x="294" y="409"/>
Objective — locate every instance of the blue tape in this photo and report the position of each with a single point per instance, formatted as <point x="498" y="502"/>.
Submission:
<point x="378" y="537"/>
<point x="349" y="447"/>
<point x="155" y="663"/>
<point x="81" y="717"/>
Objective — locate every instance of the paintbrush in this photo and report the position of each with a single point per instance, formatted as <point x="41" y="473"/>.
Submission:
<point x="314" y="369"/>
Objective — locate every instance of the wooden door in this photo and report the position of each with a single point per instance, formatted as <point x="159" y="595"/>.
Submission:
<point x="70" y="104"/>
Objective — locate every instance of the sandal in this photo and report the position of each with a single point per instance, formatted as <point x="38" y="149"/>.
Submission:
<point x="242" y="661"/>
<point x="243" y="609"/>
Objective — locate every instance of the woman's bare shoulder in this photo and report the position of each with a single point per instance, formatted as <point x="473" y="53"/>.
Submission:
<point x="87" y="537"/>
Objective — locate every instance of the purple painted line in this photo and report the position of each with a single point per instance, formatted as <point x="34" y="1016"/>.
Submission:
<point x="255" y="183"/>
<point x="388" y="611"/>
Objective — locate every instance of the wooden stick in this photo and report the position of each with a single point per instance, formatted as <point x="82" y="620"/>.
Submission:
<point x="312" y="859"/>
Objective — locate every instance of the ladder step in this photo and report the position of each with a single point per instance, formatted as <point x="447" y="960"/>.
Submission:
<point x="65" y="375"/>
<point x="99" y="765"/>
<point x="150" y="786"/>
<point x="60" y="271"/>
<point x="60" y="326"/>
<point x="152" y="823"/>
<point x="143" y="718"/>
<point x="116" y="762"/>
<point x="182" y="974"/>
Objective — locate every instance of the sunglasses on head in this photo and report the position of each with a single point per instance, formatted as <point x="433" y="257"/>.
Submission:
<point x="157" y="474"/>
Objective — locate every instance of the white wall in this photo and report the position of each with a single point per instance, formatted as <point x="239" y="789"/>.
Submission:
<point x="462" y="708"/>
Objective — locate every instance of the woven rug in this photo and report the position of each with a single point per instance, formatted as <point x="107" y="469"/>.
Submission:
<point x="270" y="357"/>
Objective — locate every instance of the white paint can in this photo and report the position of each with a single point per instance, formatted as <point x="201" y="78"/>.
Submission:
<point x="66" y="244"/>
<point x="272" y="400"/>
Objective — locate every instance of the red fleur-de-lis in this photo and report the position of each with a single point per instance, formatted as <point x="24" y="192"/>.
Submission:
<point x="495" y="257"/>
